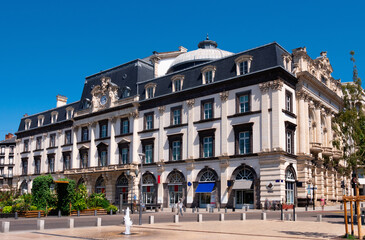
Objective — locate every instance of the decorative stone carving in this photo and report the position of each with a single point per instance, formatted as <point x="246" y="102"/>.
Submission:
<point x="190" y="103"/>
<point x="224" y="96"/>
<point x="264" y="87"/>
<point x="104" y="95"/>
<point x="134" y="114"/>
<point x="274" y="85"/>
<point x="161" y="109"/>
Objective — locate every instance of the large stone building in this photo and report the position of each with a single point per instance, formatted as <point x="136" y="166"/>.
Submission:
<point x="7" y="162"/>
<point x="214" y="128"/>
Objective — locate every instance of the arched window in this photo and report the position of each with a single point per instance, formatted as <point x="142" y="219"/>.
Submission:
<point x="208" y="176"/>
<point x="121" y="189"/>
<point x="24" y="187"/>
<point x="100" y="185"/>
<point x="175" y="187"/>
<point x="81" y="181"/>
<point x="245" y="174"/>
<point x="289" y="185"/>
<point x="175" y="177"/>
<point x="148" y="188"/>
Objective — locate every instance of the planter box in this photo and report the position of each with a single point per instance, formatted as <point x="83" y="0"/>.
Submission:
<point x="31" y="214"/>
<point x="89" y="212"/>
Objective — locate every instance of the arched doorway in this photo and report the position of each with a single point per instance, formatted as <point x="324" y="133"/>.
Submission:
<point x="81" y="181"/>
<point x="121" y="190"/>
<point x="175" y="187"/>
<point x="244" y="178"/>
<point x="207" y="189"/>
<point x="148" y="188"/>
<point x="100" y="185"/>
<point x="290" y="177"/>
<point x="24" y="187"/>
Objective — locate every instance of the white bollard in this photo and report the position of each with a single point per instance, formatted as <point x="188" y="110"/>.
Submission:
<point x="5" y="226"/>
<point x="71" y="223"/>
<point x="221" y="217"/>
<point x="98" y="222"/>
<point x="152" y="219"/>
<point x="319" y="218"/>
<point x="263" y="216"/>
<point x="295" y="217"/>
<point x="243" y="216"/>
<point x="40" y="225"/>
<point x="289" y="217"/>
<point x="176" y="218"/>
<point x="200" y="218"/>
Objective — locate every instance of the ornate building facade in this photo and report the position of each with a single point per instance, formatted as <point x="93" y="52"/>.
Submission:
<point x="212" y="127"/>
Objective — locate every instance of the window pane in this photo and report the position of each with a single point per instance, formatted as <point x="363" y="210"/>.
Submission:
<point x="208" y="147"/>
<point x="148" y="152"/>
<point x="124" y="155"/>
<point x="125" y="126"/>
<point x="176" y="150"/>
<point x="244" y="142"/>
<point x="244" y="103"/>
<point x="208" y="112"/>
<point x="177" y="116"/>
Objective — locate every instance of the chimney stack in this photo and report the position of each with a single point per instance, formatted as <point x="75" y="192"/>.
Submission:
<point x="8" y="136"/>
<point x="61" y="100"/>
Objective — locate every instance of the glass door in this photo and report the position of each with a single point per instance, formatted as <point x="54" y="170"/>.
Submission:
<point x="244" y="198"/>
<point x="204" y="199"/>
<point x="175" y="194"/>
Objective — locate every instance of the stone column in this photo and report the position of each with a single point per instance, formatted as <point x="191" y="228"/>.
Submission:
<point x="318" y="122"/>
<point x="302" y="146"/>
<point x="112" y="143"/>
<point x="135" y="141"/>
<point x="265" y="119"/>
<point x="189" y="178"/>
<point x="93" y="153"/>
<point x="224" y="164"/>
<point x="306" y="125"/>
<point x="278" y="128"/>
<point x="161" y="135"/>
<point x="224" y="123"/>
<point x="190" y="143"/>
<point x="58" y="166"/>
<point x="329" y="127"/>
<point x="75" y="151"/>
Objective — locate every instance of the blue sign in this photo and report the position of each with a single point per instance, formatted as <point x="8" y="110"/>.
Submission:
<point x="189" y="184"/>
<point x="135" y="197"/>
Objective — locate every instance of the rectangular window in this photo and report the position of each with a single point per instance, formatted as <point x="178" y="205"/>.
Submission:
<point x="207" y="109"/>
<point x="177" y="85"/>
<point x="2" y="150"/>
<point x="2" y="160"/>
<point x="176" y="116"/>
<point x="176" y="150"/>
<point x="125" y="155"/>
<point x="149" y="153"/>
<point x="124" y="126"/>
<point x="52" y="140"/>
<point x="149" y="92"/>
<point x="84" y="159"/>
<point x="84" y="134"/>
<point x="208" y="147"/>
<point x="207" y="143"/>
<point x="39" y="143"/>
<point x="10" y="173"/>
<point x="11" y="160"/>
<point x="37" y="169"/>
<point x="26" y="145"/>
<point x="11" y="151"/>
<point x="208" y="77"/>
<point x="54" y="118"/>
<point x="68" y="137"/>
<point x="24" y="167"/>
<point x="69" y="114"/>
<point x="148" y="118"/>
<point x="66" y="161"/>
<point x="288" y="101"/>
<point x="243" y="67"/>
<point x="243" y="103"/>
<point x="289" y="141"/>
<point x="244" y="142"/>
<point x="2" y="172"/>
<point x="103" y="158"/>
<point x="51" y="164"/>
<point x="103" y="126"/>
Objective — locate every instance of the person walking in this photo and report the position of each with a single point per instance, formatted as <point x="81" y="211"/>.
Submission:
<point x="180" y="207"/>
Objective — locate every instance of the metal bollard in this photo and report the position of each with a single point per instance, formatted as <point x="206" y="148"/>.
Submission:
<point x="221" y="217"/>
<point x="151" y="219"/>
<point x="5" y="226"/>
<point x="40" y="225"/>
<point x="200" y="218"/>
<point x="225" y="210"/>
<point x="306" y="208"/>
<point x="176" y="218"/>
<point x="243" y="216"/>
<point x="95" y="212"/>
<point x="71" y="223"/>
<point x="319" y="218"/>
<point x="59" y="213"/>
<point x="263" y="216"/>
<point x="39" y="214"/>
<point x="98" y="222"/>
<point x="16" y="215"/>
<point x="193" y="210"/>
<point x="197" y="210"/>
<point x="207" y="208"/>
<point x="111" y="212"/>
<point x="246" y="208"/>
<point x="219" y="209"/>
<point x="184" y="209"/>
<point x="78" y="213"/>
<point x="295" y="217"/>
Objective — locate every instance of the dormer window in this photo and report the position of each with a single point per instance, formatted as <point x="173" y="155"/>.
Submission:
<point x="69" y="112"/>
<point x="150" y="90"/>
<point x="27" y="124"/>
<point x="126" y="92"/>
<point x="40" y="120"/>
<point x="287" y="62"/>
<point x="54" y="116"/>
<point x="243" y="64"/>
<point x="208" y="74"/>
<point x="177" y="83"/>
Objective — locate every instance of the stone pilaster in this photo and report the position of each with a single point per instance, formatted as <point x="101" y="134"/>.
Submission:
<point x="112" y="144"/>
<point x="278" y="128"/>
<point x="93" y="153"/>
<point x="224" y="123"/>
<point x="58" y="157"/>
<point x="161" y="137"/>
<point x="75" y="160"/>
<point x="265" y="127"/>
<point x="135" y="140"/>
<point x="190" y="143"/>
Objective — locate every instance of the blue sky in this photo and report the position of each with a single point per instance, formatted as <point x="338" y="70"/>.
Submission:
<point x="49" y="47"/>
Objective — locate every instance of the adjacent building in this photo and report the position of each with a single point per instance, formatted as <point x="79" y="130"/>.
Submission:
<point x="212" y="127"/>
<point x="7" y="162"/>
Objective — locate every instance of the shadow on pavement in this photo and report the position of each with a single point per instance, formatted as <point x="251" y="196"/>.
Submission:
<point x="310" y="234"/>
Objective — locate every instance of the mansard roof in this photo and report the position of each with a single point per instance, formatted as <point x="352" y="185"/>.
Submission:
<point x="10" y="141"/>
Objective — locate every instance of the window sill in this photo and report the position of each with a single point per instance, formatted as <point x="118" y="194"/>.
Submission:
<point x="289" y="113"/>
<point x="207" y="120"/>
<point x="38" y="150"/>
<point x="25" y="152"/>
<point x="87" y="141"/>
<point x="244" y="114"/>
<point x="51" y="148"/>
<point x="176" y="126"/>
<point x="149" y="130"/>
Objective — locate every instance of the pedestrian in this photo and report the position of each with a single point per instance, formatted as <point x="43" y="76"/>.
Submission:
<point x="180" y="207"/>
<point x="322" y="203"/>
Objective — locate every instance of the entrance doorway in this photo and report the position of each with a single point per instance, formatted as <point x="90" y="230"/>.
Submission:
<point x="175" y="194"/>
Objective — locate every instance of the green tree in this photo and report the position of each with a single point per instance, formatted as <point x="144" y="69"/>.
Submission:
<point x="349" y="124"/>
<point x="65" y="195"/>
<point x="41" y="193"/>
<point x="80" y="198"/>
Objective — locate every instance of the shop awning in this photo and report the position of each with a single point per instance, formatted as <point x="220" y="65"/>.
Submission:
<point x="205" y="188"/>
<point x="362" y="181"/>
<point x="242" y="184"/>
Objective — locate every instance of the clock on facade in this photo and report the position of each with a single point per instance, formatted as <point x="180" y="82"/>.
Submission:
<point x="103" y="100"/>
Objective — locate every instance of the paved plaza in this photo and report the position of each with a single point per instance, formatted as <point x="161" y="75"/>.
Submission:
<point x="250" y="229"/>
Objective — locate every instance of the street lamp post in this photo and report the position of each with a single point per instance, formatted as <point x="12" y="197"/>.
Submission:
<point x="142" y="156"/>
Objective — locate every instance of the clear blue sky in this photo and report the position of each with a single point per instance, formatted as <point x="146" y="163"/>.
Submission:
<point x="49" y="47"/>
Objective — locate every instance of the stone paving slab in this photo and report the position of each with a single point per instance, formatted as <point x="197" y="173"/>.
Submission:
<point x="250" y="229"/>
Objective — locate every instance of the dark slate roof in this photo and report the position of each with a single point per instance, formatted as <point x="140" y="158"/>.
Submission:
<point x="47" y="117"/>
<point x="10" y="141"/>
<point x="264" y="57"/>
<point x="125" y="75"/>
